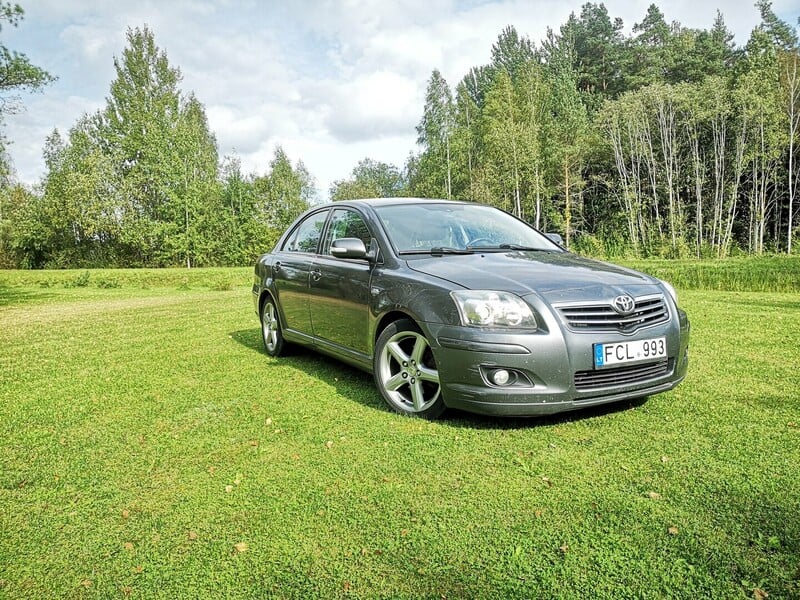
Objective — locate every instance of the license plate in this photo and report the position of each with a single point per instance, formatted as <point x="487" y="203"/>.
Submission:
<point x="616" y="353"/>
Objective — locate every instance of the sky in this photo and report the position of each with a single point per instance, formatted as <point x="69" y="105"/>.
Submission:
<point x="330" y="81"/>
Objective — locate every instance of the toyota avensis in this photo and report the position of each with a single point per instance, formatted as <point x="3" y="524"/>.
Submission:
<point x="458" y="304"/>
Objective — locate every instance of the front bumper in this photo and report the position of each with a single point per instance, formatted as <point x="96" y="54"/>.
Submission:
<point x="553" y="368"/>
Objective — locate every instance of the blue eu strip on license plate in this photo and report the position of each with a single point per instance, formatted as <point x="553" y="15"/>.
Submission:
<point x="633" y="351"/>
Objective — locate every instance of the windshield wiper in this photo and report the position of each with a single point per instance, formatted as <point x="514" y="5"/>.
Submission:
<point x="440" y="250"/>
<point x="521" y="247"/>
<point x="501" y="247"/>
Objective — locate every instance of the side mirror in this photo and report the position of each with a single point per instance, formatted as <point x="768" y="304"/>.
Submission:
<point x="555" y="237"/>
<point x="352" y="248"/>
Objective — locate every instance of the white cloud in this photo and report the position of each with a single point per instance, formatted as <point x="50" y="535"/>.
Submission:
<point x="373" y="106"/>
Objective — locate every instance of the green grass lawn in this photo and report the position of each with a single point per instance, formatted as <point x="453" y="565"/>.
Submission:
<point x="149" y="448"/>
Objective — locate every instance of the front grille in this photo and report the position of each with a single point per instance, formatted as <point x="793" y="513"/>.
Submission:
<point x="649" y="310"/>
<point x="619" y="376"/>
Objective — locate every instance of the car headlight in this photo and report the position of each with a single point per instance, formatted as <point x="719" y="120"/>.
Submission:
<point x="671" y="291"/>
<point x="486" y="308"/>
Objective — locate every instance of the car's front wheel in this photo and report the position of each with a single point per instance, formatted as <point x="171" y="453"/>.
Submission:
<point x="405" y="371"/>
<point x="271" y="331"/>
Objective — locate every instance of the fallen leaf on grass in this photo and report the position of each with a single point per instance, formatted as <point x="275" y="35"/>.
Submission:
<point x="228" y="489"/>
<point x="126" y="513"/>
<point x="127" y="546"/>
<point x="329" y="444"/>
<point x="87" y="583"/>
<point x="664" y="459"/>
<point x="268" y="422"/>
<point x="547" y="481"/>
<point x="138" y="569"/>
<point x="759" y="594"/>
<point x="240" y="547"/>
<point x="564" y="548"/>
<point x="672" y="530"/>
<point x="192" y="535"/>
<point x="654" y="495"/>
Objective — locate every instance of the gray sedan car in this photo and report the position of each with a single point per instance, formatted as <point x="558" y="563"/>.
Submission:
<point x="458" y="304"/>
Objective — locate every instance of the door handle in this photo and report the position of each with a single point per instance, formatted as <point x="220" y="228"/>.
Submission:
<point x="316" y="275"/>
<point x="276" y="266"/>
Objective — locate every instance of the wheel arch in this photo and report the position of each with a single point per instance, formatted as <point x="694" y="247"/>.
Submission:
<point x="387" y="319"/>
<point x="265" y="293"/>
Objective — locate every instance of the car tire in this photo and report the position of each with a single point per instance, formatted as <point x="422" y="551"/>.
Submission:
<point x="271" y="331"/>
<point x="405" y="371"/>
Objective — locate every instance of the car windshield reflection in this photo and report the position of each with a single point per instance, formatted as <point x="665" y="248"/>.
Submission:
<point x="437" y="228"/>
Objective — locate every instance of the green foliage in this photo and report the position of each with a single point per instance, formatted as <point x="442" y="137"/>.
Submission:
<point x="431" y="174"/>
<point x="370" y="179"/>
<point x="16" y="71"/>
<point x="17" y="74"/>
<point x="136" y="184"/>
<point x="667" y="142"/>
<point x="284" y="192"/>
<point x="671" y="141"/>
<point x="151" y="449"/>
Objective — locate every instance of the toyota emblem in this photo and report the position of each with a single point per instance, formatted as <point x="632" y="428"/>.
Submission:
<point x="624" y="305"/>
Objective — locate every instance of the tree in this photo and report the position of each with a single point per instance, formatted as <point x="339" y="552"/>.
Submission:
<point x="789" y="64"/>
<point x="195" y="186"/>
<point x="647" y="55"/>
<point x="79" y="201"/>
<point x="20" y="231"/>
<point x="434" y="173"/>
<point x="16" y="71"/>
<point x="595" y="43"/>
<point x="17" y="74"/>
<point x="511" y="52"/>
<point x="369" y="179"/>
<point x="503" y="132"/>
<point x="758" y="91"/>
<point x="136" y="183"/>
<point x="568" y="130"/>
<point x="284" y="192"/>
<point x="465" y="143"/>
<point x="782" y="35"/>
<point x="163" y="153"/>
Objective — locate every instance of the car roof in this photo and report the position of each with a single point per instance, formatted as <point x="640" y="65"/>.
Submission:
<point x="374" y="202"/>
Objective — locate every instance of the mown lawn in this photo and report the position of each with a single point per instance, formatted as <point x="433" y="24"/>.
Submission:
<point x="149" y="448"/>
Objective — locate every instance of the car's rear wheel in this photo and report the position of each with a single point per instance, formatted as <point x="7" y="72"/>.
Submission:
<point x="271" y="331"/>
<point x="405" y="371"/>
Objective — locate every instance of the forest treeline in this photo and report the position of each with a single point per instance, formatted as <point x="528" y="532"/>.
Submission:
<point x="669" y="142"/>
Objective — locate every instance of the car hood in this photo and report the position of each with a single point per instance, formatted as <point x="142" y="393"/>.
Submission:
<point x="556" y="276"/>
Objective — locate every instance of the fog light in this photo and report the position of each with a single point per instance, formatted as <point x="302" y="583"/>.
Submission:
<point x="500" y="377"/>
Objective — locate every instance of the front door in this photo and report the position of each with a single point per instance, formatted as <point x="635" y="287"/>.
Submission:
<point x="340" y="288"/>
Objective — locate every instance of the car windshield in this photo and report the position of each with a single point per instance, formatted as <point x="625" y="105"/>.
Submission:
<point x="449" y="228"/>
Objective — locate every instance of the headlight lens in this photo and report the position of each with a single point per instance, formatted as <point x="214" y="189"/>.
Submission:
<point x="487" y="308"/>
<point x="671" y="290"/>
